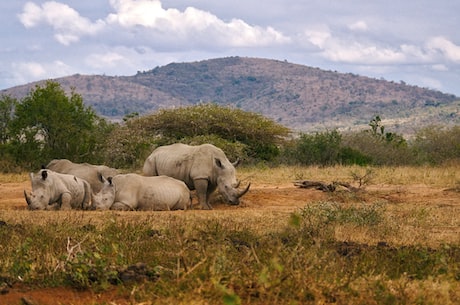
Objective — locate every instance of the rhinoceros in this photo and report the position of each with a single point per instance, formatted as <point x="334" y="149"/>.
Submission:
<point x="203" y="168"/>
<point x="51" y="190"/>
<point x="136" y="192"/>
<point x="86" y="171"/>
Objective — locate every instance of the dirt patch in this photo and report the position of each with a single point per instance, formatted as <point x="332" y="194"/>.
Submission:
<point x="282" y="199"/>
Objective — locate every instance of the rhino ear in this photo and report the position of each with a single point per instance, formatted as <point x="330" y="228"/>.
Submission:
<point x="218" y="163"/>
<point x="100" y="177"/>
<point x="44" y="175"/>
<point x="236" y="163"/>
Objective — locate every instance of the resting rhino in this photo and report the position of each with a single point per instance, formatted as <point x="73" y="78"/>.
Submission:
<point x="51" y="190"/>
<point x="86" y="171"/>
<point x="203" y="168"/>
<point x="136" y="192"/>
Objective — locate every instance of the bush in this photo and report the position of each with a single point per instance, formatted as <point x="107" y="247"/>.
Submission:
<point x="323" y="148"/>
<point x="378" y="150"/>
<point x="435" y="144"/>
<point x="244" y="135"/>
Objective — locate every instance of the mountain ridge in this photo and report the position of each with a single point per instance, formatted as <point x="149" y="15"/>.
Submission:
<point x="300" y="97"/>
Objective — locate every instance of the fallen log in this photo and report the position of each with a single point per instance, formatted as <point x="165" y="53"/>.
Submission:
<point x="325" y="187"/>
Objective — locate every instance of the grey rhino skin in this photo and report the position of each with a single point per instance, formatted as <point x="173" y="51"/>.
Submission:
<point x="51" y="191"/>
<point x="86" y="171"/>
<point x="203" y="168"/>
<point x="136" y="192"/>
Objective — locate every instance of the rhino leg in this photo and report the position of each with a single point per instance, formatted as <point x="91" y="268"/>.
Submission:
<point x="121" y="206"/>
<point x="201" y="187"/>
<point x="66" y="200"/>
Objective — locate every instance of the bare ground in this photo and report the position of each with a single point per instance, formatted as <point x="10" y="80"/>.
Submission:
<point x="265" y="202"/>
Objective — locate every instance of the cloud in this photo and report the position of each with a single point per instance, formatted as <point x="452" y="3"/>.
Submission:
<point x="317" y="37"/>
<point x="148" y="21"/>
<point x="67" y="23"/>
<point x="351" y="49"/>
<point x="104" y="60"/>
<point x="358" y="26"/>
<point x="24" y="72"/>
<point x="441" y="44"/>
<point x="192" y="25"/>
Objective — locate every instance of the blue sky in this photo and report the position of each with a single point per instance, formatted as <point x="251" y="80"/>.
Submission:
<point x="417" y="42"/>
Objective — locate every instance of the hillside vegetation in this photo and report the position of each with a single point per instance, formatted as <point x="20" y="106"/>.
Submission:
<point x="299" y="97"/>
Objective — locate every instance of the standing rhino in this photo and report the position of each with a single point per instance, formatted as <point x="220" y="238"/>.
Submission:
<point x="136" y="192"/>
<point x="51" y="190"/>
<point x="86" y="171"/>
<point x="203" y="168"/>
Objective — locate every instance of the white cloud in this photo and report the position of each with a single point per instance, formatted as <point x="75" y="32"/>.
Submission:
<point x="450" y="50"/>
<point x="318" y="37"/>
<point x="67" y="22"/>
<point x="358" y="26"/>
<point x="24" y="72"/>
<point x="192" y="25"/>
<point x="355" y="52"/>
<point x="439" y="67"/>
<point x="105" y="60"/>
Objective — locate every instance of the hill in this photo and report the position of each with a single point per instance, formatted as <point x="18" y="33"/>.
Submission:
<point x="300" y="97"/>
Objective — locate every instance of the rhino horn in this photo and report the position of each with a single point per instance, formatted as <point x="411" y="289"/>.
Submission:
<point x="236" y="163"/>
<point x="244" y="191"/>
<point x="27" y="197"/>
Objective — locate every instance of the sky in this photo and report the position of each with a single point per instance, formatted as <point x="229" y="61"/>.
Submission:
<point x="414" y="41"/>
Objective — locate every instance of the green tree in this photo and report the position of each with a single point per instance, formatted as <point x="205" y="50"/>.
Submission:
<point x="378" y="131"/>
<point x="48" y="124"/>
<point x="7" y="105"/>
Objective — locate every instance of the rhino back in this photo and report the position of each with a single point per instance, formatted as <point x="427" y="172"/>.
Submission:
<point x="176" y="160"/>
<point x="150" y="193"/>
<point x="85" y="171"/>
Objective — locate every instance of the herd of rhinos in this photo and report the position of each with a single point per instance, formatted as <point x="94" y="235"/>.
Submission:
<point x="170" y="172"/>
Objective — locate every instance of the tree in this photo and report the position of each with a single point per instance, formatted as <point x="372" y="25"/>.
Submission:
<point x="48" y="124"/>
<point x="7" y="105"/>
<point x="378" y="132"/>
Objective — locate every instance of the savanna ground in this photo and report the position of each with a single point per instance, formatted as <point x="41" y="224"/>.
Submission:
<point x="421" y="207"/>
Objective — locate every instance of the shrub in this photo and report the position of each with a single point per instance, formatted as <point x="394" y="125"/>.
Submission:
<point x="241" y="134"/>
<point x="436" y="144"/>
<point x="323" y="148"/>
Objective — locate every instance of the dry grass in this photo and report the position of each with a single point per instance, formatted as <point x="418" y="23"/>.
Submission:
<point x="395" y="242"/>
<point x="446" y="176"/>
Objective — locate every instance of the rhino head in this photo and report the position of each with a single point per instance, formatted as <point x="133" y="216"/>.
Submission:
<point x="39" y="198"/>
<point x="106" y="196"/>
<point x="227" y="183"/>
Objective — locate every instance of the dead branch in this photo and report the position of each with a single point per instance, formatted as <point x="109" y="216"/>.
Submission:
<point x="323" y="186"/>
